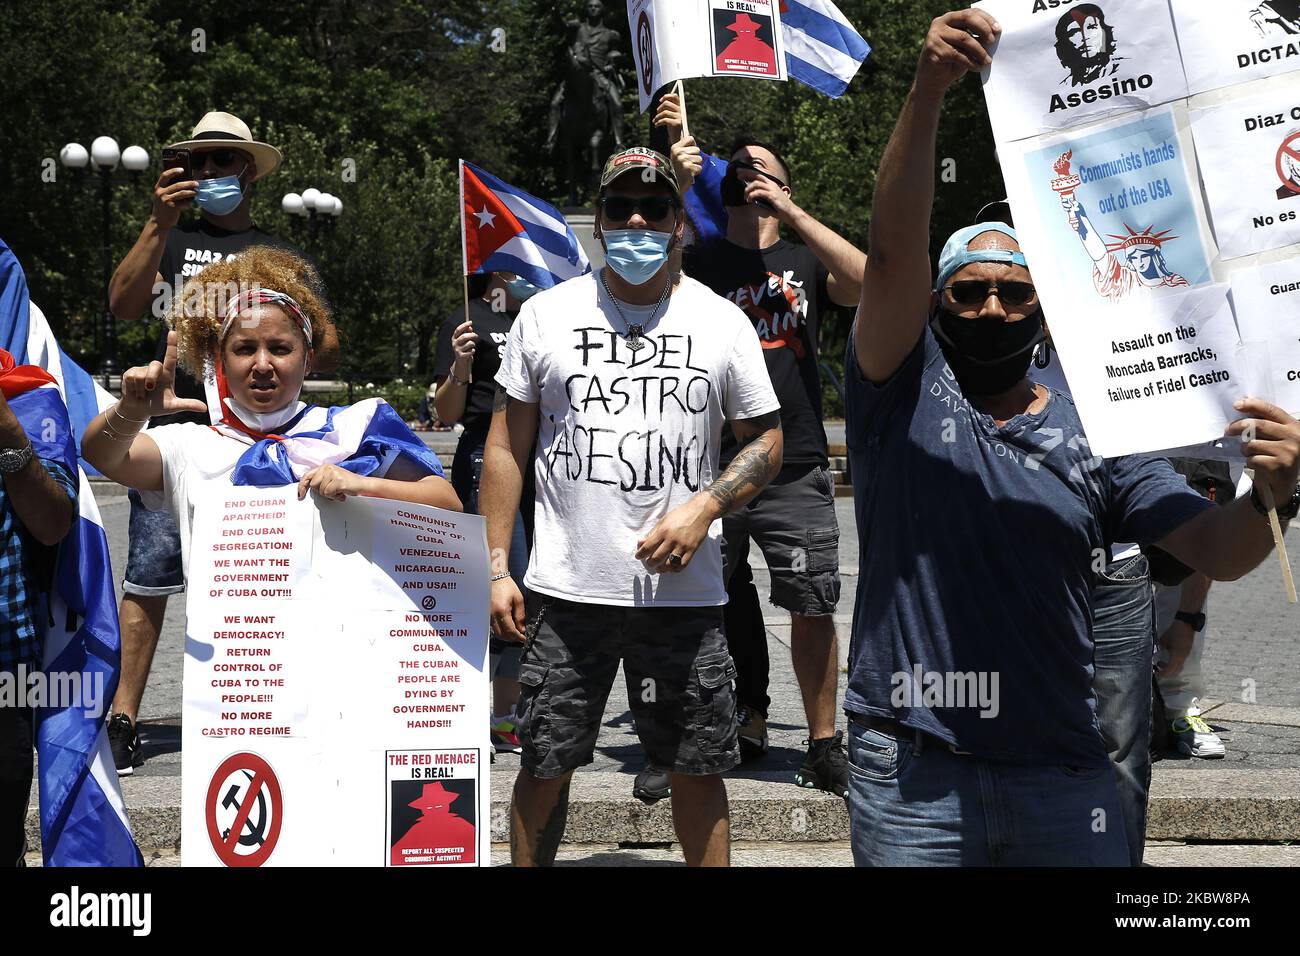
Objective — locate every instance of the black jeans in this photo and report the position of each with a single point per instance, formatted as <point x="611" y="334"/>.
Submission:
<point x="15" y="782"/>
<point x="747" y="640"/>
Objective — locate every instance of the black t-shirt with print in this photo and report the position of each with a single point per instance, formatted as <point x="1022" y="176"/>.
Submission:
<point x="492" y="328"/>
<point x="191" y="247"/>
<point x="783" y="291"/>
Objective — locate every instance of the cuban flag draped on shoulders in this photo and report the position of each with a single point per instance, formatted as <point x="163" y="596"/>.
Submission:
<point x="83" y="817"/>
<point x="504" y="229"/>
<point x="365" y="438"/>
<point x="822" y="50"/>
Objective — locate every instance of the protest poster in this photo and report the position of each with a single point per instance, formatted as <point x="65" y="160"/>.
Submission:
<point x="335" y="699"/>
<point x="1233" y="41"/>
<point x="1058" y="64"/>
<point x="1145" y="335"/>
<point x="686" y="38"/>
<point x="1262" y="295"/>
<point x="1248" y="142"/>
<point x="745" y="40"/>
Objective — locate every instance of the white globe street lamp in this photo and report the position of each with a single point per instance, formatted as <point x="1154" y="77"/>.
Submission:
<point x="74" y="156"/>
<point x="135" y="159"/>
<point x="104" y="151"/>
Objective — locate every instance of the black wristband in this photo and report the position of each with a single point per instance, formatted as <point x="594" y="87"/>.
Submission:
<point x="1286" y="510"/>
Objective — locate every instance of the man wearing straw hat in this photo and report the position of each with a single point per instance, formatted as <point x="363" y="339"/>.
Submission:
<point x="225" y="161"/>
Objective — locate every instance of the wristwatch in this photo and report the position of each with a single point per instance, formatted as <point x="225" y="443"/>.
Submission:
<point x="13" y="459"/>
<point x="1286" y="510"/>
<point x="1197" y="621"/>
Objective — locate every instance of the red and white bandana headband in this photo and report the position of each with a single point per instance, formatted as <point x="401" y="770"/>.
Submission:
<point x="246" y="300"/>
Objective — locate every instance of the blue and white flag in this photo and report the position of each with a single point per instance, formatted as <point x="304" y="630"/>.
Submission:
<point x="704" y="207"/>
<point x="365" y="438"/>
<point x="27" y="336"/>
<point x="822" y="50"/>
<point x="504" y="229"/>
<point x="83" y="818"/>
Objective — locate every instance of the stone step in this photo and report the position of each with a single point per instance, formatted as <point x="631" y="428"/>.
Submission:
<point x="1188" y="803"/>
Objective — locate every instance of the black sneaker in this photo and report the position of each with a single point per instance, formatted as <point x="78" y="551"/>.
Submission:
<point x="652" y="785"/>
<point x="124" y="741"/>
<point x="826" y="767"/>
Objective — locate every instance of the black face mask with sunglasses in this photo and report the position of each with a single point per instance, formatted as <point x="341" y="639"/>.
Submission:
<point x="990" y="355"/>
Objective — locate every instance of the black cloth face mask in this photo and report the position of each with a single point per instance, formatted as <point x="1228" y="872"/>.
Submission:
<point x="733" y="190"/>
<point x="988" y="356"/>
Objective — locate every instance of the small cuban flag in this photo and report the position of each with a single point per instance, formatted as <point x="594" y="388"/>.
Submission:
<point x="822" y="50"/>
<point x="503" y="229"/>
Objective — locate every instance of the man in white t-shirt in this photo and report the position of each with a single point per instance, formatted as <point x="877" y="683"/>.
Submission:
<point x="623" y="379"/>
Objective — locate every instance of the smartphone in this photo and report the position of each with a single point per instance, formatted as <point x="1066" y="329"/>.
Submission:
<point x="178" y="159"/>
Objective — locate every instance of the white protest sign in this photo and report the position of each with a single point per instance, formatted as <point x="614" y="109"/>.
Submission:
<point x="1267" y="300"/>
<point x="1058" y="63"/>
<point x="335" y="707"/>
<point x="678" y="39"/>
<point x="1248" y="141"/>
<point x="1111" y="219"/>
<point x="1225" y="42"/>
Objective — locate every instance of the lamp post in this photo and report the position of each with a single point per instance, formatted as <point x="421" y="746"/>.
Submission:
<point x="313" y="205"/>
<point x="105" y="155"/>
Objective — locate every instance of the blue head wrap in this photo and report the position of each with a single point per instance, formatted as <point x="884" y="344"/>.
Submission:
<point x="956" y="252"/>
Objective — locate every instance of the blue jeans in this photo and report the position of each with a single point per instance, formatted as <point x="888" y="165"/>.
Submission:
<point x="913" y="802"/>
<point x="1123" y="658"/>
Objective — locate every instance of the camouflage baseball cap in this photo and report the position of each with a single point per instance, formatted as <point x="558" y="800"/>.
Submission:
<point x="638" y="157"/>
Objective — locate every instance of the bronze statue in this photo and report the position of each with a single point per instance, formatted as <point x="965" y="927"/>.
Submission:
<point x="587" y="108"/>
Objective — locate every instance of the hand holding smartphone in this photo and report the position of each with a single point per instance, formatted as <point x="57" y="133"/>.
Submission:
<point x="173" y="192"/>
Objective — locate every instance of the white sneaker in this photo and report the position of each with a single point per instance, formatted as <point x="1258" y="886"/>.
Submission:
<point x="1195" y="738"/>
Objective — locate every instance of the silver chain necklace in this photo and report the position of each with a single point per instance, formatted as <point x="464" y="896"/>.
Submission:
<point x="634" y="332"/>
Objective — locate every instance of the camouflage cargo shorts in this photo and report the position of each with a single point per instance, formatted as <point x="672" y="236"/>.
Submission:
<point x="680" y="685"/>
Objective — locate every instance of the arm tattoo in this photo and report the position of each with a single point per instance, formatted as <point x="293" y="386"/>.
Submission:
<point x="752" y="468"/>
<point x="501" y="401"/>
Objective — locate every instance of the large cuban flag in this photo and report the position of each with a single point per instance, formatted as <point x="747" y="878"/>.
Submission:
<point x="822" y="50"/>
<point x="83" y="818"/>
<point x="503" y="229"/>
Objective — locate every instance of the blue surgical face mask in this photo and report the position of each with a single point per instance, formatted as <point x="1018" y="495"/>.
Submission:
<point x="521" y="289"/>
<point x="636" y="254"/>
<point x="220" y="196"/>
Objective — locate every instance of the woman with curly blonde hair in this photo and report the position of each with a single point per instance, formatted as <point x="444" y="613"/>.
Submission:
<point x="250" y="323"/>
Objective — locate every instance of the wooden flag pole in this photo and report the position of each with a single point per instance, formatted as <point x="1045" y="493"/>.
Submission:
<point x="680" y="90"/>
<point x="1266" y="496"/>
<point x="465" y="285"/>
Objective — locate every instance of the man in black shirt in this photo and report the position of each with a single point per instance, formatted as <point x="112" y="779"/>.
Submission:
<point x="225" y="160"/>
<point x="784" y="287"/>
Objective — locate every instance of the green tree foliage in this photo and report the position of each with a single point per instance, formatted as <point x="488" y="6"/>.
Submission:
<point x="395" y="91"/>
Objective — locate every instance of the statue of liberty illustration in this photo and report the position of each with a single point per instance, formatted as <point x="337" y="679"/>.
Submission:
<point x="1131" y="261"/>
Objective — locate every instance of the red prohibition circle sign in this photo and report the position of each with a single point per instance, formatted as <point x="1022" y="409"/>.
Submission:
<point x="645" y="46"/>
<point x="1290" y="147"/>
<point x="255" y="788"/>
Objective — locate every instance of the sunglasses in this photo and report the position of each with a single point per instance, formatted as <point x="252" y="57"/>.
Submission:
<point x="974" y="292"/>
<point x="651" y="208"/>
<point x="219" y="157"/>
<point x="741" y="164"/>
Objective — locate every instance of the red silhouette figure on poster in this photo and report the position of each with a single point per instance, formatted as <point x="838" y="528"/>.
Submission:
<point x="747" y="53"/>
<point x="438" y="832"/>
